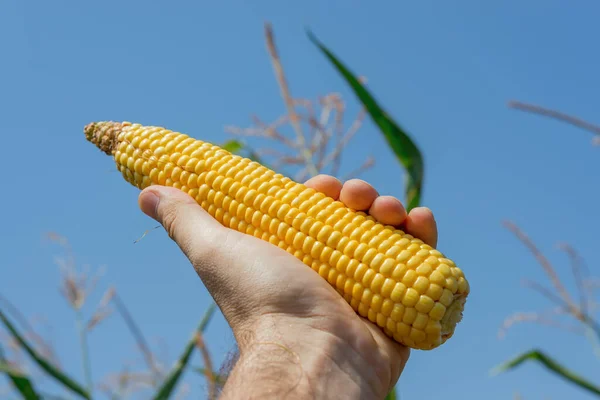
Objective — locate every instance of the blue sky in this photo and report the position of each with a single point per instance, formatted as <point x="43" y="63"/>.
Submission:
<point x="445" y="71"/>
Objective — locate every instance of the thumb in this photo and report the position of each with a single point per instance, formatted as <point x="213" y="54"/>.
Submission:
<point x="194" y="230"/>
<point x="210" y="247"/>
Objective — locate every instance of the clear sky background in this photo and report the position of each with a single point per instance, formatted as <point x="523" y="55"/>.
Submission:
<point x="444" y="70"/>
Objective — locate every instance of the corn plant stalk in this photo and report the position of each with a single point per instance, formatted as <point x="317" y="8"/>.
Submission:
<point x="558" y="115"/>
<point x="560" y="296"/>
<point x="138" y="336"/>
<point x="311" y="149"/>
<point x="85" y="355"/>
<point x="172" y="379"/>
<point x="208" y="367"/>
<point x="285" y="93"/>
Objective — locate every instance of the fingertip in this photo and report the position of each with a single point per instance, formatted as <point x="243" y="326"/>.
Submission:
<point x="421" y="223"/>
<point x="423" y="213"/>
<point x="326" y="184"/>
<point x="358" y="194"/>
<point x="388" y="210"/>
<point x="148" y="202"/>
<point x="151" y="198"/>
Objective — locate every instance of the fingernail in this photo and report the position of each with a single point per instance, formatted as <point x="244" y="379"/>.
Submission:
<point x="148" y="202"/>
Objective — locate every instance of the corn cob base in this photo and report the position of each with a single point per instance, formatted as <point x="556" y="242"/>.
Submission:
<point x="403" y="285"/>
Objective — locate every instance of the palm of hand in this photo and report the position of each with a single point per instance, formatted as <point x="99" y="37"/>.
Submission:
<point x="294" y="292"/>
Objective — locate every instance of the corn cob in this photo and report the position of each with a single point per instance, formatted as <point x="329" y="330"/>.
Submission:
<point x="403" y="285"/>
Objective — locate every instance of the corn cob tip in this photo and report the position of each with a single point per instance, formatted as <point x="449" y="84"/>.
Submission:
<point x="453" y="315"/>
<point x="104" y="135"/>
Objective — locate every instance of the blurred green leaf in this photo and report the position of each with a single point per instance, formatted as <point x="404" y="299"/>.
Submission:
<point x="43" y="363"/>
<point x="233" y="146"/>
<point x="242" y="149"/>
<point x="173" y="378"/>
<point x="402" y="145"/>
<point x="550" y="364"/>
<point x="20" y="381"/>
<point x="391" y="395"/>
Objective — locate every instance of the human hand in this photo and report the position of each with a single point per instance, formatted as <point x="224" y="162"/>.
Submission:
<point x="296" y="335"/>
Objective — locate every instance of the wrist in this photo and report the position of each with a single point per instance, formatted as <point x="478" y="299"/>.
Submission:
<point x="295" y="360"/>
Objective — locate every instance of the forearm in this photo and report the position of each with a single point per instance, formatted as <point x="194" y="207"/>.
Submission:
<point x="315" y="367"/>
<point x="267" y="371"/>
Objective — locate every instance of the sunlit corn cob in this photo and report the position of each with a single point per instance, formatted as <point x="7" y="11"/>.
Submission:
<point x="409" y="289"/>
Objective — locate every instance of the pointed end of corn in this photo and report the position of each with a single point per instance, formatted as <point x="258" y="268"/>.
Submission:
<point x="104" y="135"/>
<point x="453" y="316"/>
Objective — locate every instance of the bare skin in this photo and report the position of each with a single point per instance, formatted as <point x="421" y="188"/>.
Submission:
<point x="298" y="338"/>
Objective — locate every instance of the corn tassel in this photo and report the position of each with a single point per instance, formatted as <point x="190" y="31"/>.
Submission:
<point x="406" y="287"/>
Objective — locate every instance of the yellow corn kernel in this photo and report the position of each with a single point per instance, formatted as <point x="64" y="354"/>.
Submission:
<point x="406" y="287"/>
<point x="421" y="284"/>
<point x="409" y="316"/>
<point x="420" y="321"/>
<point x="397" y="312"/>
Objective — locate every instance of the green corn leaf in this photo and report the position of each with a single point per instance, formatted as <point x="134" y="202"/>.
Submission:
<point x="19" y="380"/>
<point x="550" y="364"/>
<point x="399" y="141"/>
<point x="43" y="363"/>
<point x="172" y="379"/>
<point x="218" y="378"/>
<point x="242" y="149"/>
<point x="391" y="395"/>
<point x="233" y="146"/>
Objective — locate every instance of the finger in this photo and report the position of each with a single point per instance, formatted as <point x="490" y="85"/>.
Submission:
<point x="421" y="224"/>
<point x="358" y="194"/>
<point x="325" y="184"/>
<point x="388" y="210"/>
<point x="194" y="230"/>
<point x="211" y="248"/>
